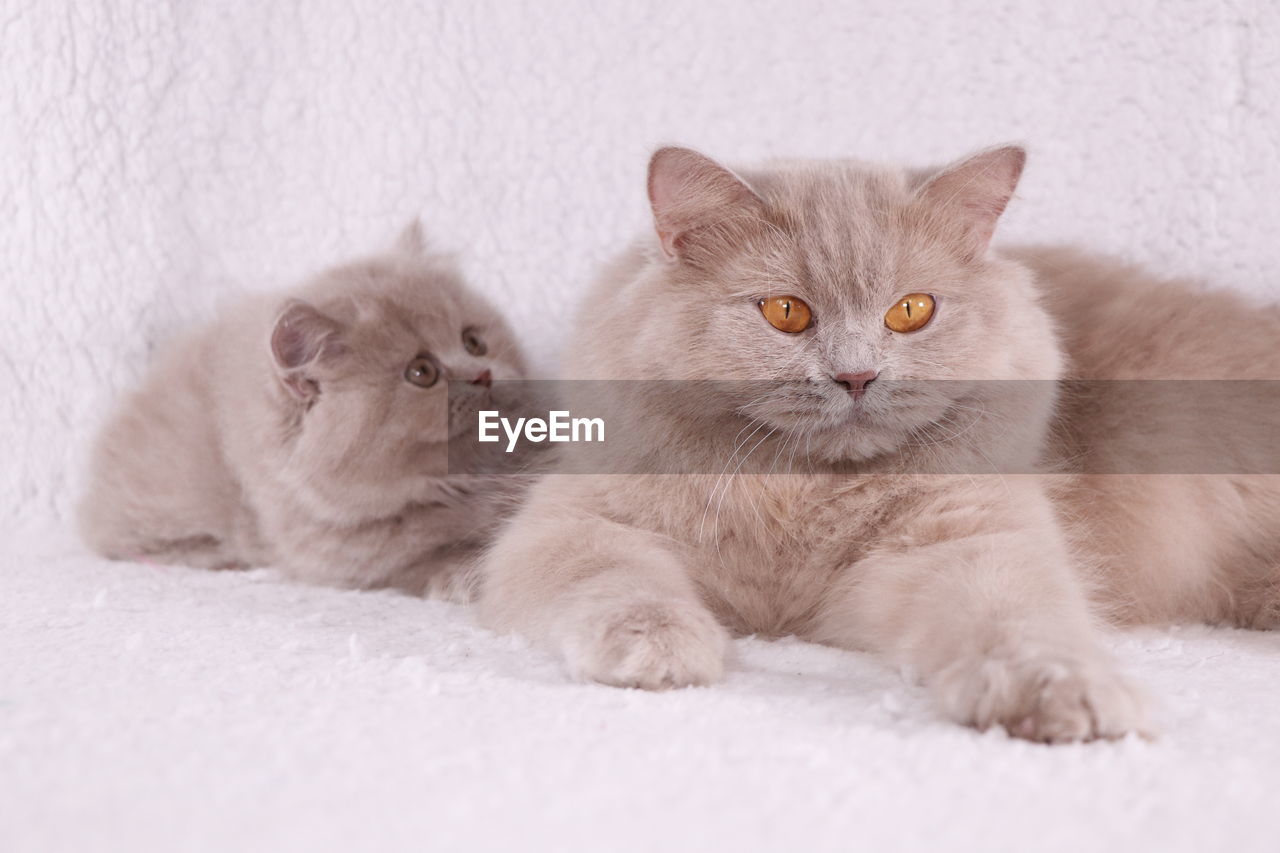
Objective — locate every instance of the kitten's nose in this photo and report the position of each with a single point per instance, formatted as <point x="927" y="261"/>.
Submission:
<point x="856" y="383"/>
<point x="485" y="378"/>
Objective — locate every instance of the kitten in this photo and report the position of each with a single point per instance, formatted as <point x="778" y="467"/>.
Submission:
<point x="835" y="279"/>
<point x="309" y="432"/>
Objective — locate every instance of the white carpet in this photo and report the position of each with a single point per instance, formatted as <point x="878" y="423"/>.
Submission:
<point x="150" y="708"/>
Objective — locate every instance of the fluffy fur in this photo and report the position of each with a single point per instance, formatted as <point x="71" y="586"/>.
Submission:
<point x="287" y="434"/>
<point x="977" y="582"/>
<point x="1162" y="547"/>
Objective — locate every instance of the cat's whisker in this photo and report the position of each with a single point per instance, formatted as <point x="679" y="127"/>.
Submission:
<point x="728" y="462"/>
<point x="728" y="485"/>
<point x="774" y="535"/>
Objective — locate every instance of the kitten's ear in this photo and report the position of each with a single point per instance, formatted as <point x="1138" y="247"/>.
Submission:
<point x="974" y="192"/>
<point x="688" y="191"/>
<point x="302" y="335"/>
<point x="412" y="240"/>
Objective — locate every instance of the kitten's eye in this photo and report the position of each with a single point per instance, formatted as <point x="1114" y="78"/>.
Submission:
<point x="912" y="312"/>
<point x="472" y="341"/>
<point x="786" y="313"/>
<point x="422" y="371"/>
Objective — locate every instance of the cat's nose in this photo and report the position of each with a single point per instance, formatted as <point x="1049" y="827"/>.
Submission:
<point x="856" y="383"/>
<point x="485" y="378"/>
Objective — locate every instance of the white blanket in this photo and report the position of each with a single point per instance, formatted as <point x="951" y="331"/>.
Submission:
<point x="158" y="159"/>
<point x="151" y="708"/>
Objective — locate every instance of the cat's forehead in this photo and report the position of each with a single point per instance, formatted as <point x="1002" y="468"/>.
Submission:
<point x="395" y="298"/>
<point x="846" y="223"/>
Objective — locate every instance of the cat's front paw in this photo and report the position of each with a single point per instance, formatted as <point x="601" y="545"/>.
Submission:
<point x="654" y="645"/>
<point x="1045" y="698"/>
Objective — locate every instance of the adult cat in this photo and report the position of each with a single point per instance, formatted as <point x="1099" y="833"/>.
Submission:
<point x="836" y="282"/>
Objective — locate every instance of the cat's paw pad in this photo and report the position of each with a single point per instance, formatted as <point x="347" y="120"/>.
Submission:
<point x="1045" y="699"/>
<point x="653" y="645"/>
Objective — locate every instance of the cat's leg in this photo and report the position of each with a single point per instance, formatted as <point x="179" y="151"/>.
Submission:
<point x="978" y="596"/>
<point x="135" y="528"/>
<point x="1253" y="569"/>
<point x="452" y="577"/>
<point x="140" y="522"/>
<point x="1257" y="604"/>
<point x="201" y="551"/>
<point x="615" y="601"/>
<point x="456" y="581"/>
<point x="411" y="553"/>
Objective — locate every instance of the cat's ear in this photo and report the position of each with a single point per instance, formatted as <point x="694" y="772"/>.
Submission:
<point x="412" y="240"/>
<point x="689" y="191"/>
<point x="302" y="337"/>
<point x="974" y="192"/>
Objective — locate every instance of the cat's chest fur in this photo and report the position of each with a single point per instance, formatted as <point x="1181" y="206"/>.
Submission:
<point x="765" y="550"/>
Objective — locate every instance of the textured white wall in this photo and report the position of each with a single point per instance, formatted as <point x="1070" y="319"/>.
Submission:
<point x="159" y="157"/>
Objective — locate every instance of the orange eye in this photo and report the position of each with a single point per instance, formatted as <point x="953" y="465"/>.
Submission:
<point x="786" y="313"/>
<point x="912" y="312"/>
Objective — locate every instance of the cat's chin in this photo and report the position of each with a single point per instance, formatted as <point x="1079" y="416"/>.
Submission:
<point x="856" y="446"/>
<point x="853" y="436"/>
